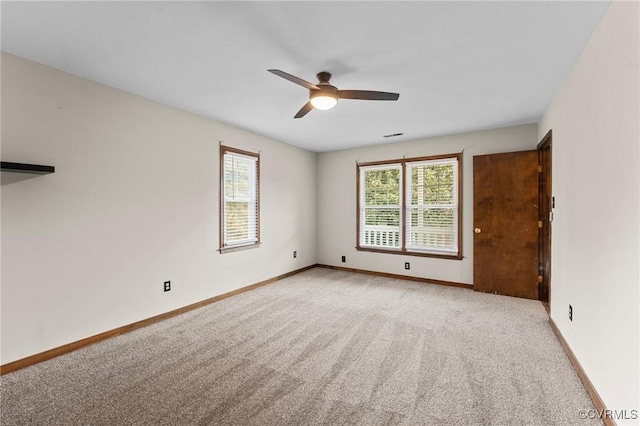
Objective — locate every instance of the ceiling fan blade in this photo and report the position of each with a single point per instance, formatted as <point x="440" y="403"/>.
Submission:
<point x="368" y="95"/>
<point x="293" y="79"/>
<point x="304" y="110"/>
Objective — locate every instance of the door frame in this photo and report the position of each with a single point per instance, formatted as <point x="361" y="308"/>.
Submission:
<point x="544" y="240"/>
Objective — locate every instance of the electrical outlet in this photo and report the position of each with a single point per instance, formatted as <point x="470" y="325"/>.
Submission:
<point x="167" y="286"/>
<point x="344" y="259"/>
<point x="407" y="265"/>
<point x="295" y="254"/>
<point x="570" y="313"/>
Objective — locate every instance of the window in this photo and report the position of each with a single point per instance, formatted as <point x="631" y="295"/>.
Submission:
<point x="411" y="206"/>
<point x="240" y="201"/>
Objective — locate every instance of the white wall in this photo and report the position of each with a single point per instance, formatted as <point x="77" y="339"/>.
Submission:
<point x="337" y="200"/>
<point x="595" y="242"/>
<point x="133" y="202"/>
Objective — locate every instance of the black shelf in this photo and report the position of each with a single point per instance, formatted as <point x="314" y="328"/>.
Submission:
<point x="36" y="169"/>
<point x="16" y="172"/>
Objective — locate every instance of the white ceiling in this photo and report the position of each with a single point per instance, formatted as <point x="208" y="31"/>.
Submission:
<point x="458" y="66"/>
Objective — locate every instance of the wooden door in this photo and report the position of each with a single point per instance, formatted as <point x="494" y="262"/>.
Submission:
<point x="505" y="214"/>
<point x="545" y="217"/>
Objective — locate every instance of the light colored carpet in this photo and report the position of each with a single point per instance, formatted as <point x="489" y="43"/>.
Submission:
<point x="322" y="347"/>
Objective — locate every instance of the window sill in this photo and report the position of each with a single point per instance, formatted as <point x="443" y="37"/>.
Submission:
<point x="243" y="247"/>
<point x="412" y="253"/>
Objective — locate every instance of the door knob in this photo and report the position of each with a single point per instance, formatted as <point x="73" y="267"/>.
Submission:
<point x="477" y="230"/>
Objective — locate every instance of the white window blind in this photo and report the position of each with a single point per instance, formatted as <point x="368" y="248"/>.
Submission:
<point x="240" y="209"/>
<point x="432" y="205"/>
<point x="380" y="206"/>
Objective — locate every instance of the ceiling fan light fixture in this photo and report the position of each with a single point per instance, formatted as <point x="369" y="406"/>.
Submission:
<point x="323" y="100"/>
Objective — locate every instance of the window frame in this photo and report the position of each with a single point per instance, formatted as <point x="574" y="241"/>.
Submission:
<point x="405" y="207"/>
<point x="224" y="149"/>
<point x="389" y="166"/>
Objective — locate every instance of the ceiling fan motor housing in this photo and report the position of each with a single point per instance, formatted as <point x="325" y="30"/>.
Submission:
<point x="325" y="90"/>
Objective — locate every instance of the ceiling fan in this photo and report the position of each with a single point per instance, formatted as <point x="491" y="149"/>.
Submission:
<point x="325" y="96"/>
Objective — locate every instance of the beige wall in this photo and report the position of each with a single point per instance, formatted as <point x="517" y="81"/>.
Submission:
<point x="133" y="202"/>
<point x="337" y="200"/>
<point x="595" y="254"/>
